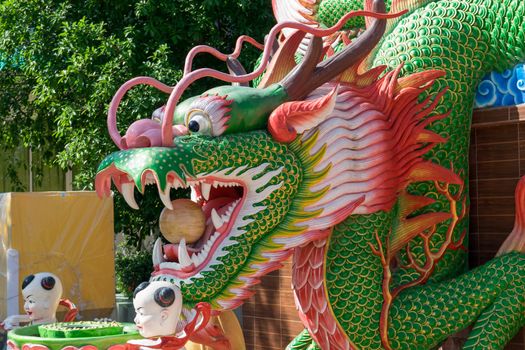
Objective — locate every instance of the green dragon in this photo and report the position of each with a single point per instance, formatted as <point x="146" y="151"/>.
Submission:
<point x="353" y="160"/>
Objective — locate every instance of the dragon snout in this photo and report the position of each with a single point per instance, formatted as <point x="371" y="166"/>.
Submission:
<point x="142" y="133"/>
<point x="147" y="133"/>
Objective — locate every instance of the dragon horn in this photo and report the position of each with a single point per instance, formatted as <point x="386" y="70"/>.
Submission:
<point x="310" y="75"/>
<point x="235" y="68"/>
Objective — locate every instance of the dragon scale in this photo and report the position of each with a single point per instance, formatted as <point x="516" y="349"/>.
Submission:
<point x="458" y="37"/>
<point x="463" y="39"/>
<point x="354" y="160"/>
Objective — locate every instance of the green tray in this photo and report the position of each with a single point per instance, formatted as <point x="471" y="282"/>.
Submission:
<point x="30" y="335"/>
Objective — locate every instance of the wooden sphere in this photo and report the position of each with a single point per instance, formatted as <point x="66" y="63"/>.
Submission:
<point x="186" y="220"/>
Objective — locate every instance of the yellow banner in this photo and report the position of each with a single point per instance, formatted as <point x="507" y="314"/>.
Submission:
<point x="67" y="233"/>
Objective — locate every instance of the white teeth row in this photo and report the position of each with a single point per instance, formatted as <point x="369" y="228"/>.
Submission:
<point x="219" y="220"/>
<point x="150" y="179"/>
<point x="184" y="258"/>
<point x="230" y="209"/>
<point x="199" y="257"/>
<point x="224" y="184"/>
<point x="127" y="190"/>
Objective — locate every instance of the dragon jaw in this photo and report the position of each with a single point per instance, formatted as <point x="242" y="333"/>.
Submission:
<point x="246" y="196"/>
<point x="261" y="198"/>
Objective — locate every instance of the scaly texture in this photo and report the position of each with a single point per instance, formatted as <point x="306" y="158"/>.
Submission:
<point x="467" y="40"/>
<point x="372" y="194"/>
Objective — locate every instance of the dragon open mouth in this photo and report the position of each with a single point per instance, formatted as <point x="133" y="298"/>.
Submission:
<point x="227" y="198"/>
<point x="221" y="201"/>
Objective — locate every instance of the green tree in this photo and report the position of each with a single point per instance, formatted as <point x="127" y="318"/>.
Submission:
<point x="62" y="61"/>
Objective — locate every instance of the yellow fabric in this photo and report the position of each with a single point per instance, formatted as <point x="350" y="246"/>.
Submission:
<point x="67" y="233"/>
<point x="231" y="328"/>
<point x="5" y="224"/>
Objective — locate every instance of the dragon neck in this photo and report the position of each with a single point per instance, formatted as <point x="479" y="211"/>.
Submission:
<point x="503" y="22"/>
<point x="486" y="32"/>
<point x="353" y="277"/>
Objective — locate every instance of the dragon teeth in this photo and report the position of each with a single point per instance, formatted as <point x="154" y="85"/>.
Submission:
<point x="184" y="257"/>
<point x="216" y="219"/>
<point x="194" y="196"/>
<point x="208" y="244"/>
<point x="195" y="259"/>
<point x="158" y="255"/>
<point x="232" y="207"/>
<point x="225" y="218"/>
<point x="205" y="190"/>
<point x="165" y="197"/>
<point x="150" y="179"/>
<point x="129" y="197"/>
<point x="171" y="265"/>
<point x="198" y="258"/>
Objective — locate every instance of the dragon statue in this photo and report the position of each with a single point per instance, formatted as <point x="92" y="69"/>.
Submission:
<point x="348" y="151"/>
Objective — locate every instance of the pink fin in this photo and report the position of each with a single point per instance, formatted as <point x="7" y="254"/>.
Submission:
<point x="428" y="171"/>
<point x="283" y="60"/>
<point x="420" y="79"/>
<point x="407" y="229"/>
<point x="409" y="203"/>
<point x="516" y="240"/>
<point x="292" y="118"/>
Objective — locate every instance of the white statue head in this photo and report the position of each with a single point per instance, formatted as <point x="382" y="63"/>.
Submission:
<point x="42" y="293"/>
<point x="158" y="306"/>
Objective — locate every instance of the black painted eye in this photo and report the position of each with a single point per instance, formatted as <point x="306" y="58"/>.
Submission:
<point x="199" y="123"/>
<point x="164" y="296"/>
<point x="27" y="281"/>
<point x="140" y="288"/>
<point x="48" y="283"/>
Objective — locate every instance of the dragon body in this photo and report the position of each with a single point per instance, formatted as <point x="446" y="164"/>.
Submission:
<point x="354" y="161"/>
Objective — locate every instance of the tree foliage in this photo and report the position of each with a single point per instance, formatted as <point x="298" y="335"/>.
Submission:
<point x="64" y="60"/>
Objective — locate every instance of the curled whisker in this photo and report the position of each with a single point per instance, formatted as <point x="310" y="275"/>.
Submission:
<point x="117" y="98"/>
<point x="214" y="52"/>
<point x="191" y="77"/>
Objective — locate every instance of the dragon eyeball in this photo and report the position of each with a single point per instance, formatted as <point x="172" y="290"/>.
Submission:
<point x="200" y="123"/>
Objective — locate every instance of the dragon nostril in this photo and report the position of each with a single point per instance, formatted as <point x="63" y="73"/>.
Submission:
<point x="193" y="126"/>
<point x="123" y="143"/>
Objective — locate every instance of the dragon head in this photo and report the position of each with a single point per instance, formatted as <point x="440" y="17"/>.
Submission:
<point x="264" y="164"/>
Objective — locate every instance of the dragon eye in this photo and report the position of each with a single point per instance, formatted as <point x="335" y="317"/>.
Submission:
<point x="200" y="123"/>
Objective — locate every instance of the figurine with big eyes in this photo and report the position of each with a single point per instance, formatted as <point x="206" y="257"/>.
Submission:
<point x="42" y="294"/>
<point x="158" y="306"/>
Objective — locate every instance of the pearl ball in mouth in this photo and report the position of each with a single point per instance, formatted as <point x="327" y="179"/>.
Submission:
<point x="186" y="220"/>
